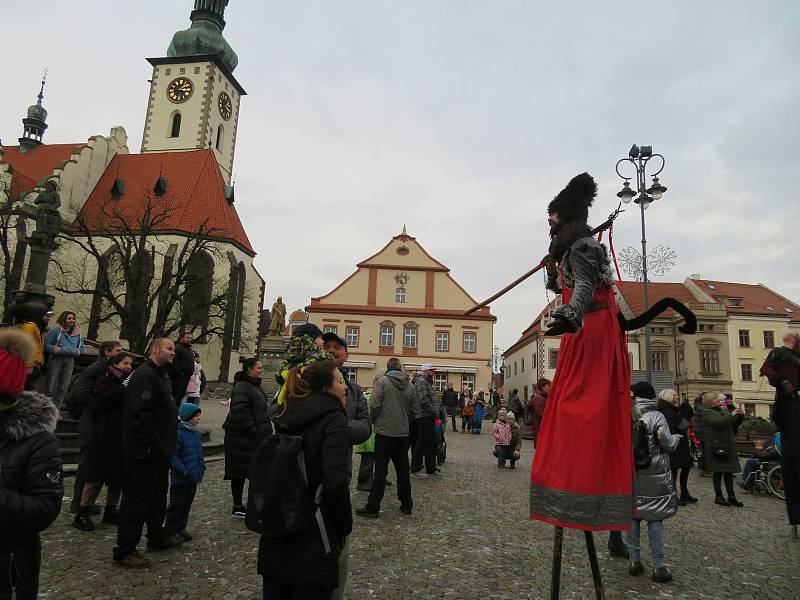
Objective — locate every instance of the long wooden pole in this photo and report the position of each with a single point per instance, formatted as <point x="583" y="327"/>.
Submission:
<point x="537" y="268"/>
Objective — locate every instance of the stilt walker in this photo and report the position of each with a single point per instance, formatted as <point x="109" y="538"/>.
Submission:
<point x="582" y="471"/>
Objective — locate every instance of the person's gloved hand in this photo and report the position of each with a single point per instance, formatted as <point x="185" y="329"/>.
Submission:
<point x="787" y="386"/>
<point x="560" y="325"/>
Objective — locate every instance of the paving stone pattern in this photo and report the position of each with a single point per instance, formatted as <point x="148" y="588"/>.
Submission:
<point x="468" y="538"/>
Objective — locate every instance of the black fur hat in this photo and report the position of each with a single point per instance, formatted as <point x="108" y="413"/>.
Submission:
<point x="573" y="202"/>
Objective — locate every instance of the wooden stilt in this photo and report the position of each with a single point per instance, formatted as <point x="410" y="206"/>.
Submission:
<point x="555" y="578"/>
<point x="794" y="532"/>
<point x="599" y="591"/>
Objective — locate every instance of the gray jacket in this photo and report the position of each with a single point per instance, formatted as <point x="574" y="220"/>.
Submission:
<point x="392" y="396"/>
<point x="653" y="486"/>
<point x="359" y="424"/>
<point x="425" y="403"/>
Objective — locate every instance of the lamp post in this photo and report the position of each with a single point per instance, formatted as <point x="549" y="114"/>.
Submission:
<point x="639" y="157"/>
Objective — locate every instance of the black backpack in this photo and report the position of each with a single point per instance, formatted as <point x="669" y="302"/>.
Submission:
<point x="279" y="503"/>
<point x="641" y="445"/>
<point x="75" y="410"/>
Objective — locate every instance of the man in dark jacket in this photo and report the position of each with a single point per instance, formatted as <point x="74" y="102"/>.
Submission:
<point x="514" y="404"/>
<point x="359" y="428"/>
<point x="31" y="484"/>
<point x="80" y="406"/>
<point x="782" y="368"/>
<point x="450" y="402"/>
<point x="425" y="408"/>
<point x="148" y="444"/>
<point x="391" y="405"/>
<point x="182" y="367"/>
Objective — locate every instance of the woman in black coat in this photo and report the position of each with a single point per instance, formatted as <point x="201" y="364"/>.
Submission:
<point x="681" y="459"/>
<point x="299" y="566"/>
<point x="245" y="426"/>
<point x="31" y="483"/>
<point x="104" y="464"/>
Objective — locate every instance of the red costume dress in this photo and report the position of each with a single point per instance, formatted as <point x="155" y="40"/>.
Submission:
<point x="582" y="473"/>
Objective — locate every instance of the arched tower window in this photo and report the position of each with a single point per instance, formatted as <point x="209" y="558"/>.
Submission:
<point x="199" y="287"/>
<point x="175" y="125"/>
<point x="220" y="137"/>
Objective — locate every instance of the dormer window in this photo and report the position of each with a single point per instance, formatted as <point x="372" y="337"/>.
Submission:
<point x="735" y="302"/>
<point x="118" y="188"/>
<point x="160" y="188"/>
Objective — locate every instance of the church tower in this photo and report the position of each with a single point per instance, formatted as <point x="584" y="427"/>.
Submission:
<point x="34" y="125"/>
<point x="194" y="97"/>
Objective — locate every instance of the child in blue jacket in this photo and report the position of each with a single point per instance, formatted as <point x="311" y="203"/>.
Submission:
<point x="186" y="470"/>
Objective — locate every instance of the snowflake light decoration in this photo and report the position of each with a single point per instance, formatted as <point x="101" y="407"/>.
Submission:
<point x="659" y="260"/>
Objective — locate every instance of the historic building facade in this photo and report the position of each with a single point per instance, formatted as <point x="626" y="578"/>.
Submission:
<point x="403" y="302"/>
<point x="737" y="326"/>
<point x="176" y="194"/>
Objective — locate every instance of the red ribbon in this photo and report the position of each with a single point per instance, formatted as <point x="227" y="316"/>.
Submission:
<point x="613" y="254"/>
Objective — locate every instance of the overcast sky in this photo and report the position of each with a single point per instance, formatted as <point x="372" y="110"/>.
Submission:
<point x="460" y="119"/>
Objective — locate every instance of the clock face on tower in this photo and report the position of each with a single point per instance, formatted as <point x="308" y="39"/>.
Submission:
<point x="224" y="105"/>
<point x="180" y="89"/>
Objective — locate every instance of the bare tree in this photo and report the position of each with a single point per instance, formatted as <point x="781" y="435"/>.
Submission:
<point x="13" y="232"/>
<point x="124" y="286"/>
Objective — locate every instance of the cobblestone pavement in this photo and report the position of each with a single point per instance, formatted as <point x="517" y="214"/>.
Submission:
<point x="468" y="538"/>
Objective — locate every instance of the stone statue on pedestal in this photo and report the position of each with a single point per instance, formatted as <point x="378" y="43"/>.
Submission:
<point x="277" y="321"/>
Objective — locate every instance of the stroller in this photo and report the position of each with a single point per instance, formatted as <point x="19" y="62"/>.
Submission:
<point x="477" y="419"/>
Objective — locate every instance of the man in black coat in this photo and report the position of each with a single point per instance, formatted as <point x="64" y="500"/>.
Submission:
<point x="782" y="368"/>
<point x="80" y="407"/>
<point x="182" y="367"/>
<point x="450" y="403"/>
<point x="359" y="427"/>
<point x="148" y="444"/>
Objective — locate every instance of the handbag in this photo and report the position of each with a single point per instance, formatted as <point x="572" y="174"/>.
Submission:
<point x="720" y="452"/>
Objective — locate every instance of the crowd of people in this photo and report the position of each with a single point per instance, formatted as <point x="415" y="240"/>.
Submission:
<point x="140" y="438"/>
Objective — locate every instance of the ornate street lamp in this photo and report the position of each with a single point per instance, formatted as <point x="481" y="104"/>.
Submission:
<point x="643" y="196"/>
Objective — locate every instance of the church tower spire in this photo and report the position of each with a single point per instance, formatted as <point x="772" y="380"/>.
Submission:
<point x="34" y="125"/>
<point x="205" y="34"/>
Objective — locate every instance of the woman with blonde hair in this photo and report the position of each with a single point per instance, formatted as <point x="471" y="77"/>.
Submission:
<point x="720" y="446"/>
<point x="681" y="458"/>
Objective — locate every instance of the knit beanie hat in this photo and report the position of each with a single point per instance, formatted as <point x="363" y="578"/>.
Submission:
<point x="187" y="411"/>
<point x="642" y="389"/>
<point x="16" y="350"/>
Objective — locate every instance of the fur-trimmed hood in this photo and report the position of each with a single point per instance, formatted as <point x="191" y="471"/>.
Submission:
<point x="34" y="414"/>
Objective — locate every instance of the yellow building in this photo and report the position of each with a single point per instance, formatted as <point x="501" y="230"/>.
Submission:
<point x="737" y="325"/>
<point x="402" y="302"/>
<point x="757" y="317"/>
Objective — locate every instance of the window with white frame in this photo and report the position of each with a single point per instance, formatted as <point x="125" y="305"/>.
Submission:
<point x="410" y="336"/>
<point x="659" y="358"/>
<point x="387" y="335"/>
<point x="442" y="341"/>
<point x="350" y="374"/>
<point x="400" y="295"/>
<point x="470" y="341"/>
<point x="439" y="381"/>
<point x="468" y="381"/>
<point x="352" y="337"/>
<point x="329" y="329"/>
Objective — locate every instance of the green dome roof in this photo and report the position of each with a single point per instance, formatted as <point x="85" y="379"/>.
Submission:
<point x="37" y="111"/>
<point x="203" y="37"/>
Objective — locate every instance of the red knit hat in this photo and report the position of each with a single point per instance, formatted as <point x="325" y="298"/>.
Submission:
<point x="16" y="349"/>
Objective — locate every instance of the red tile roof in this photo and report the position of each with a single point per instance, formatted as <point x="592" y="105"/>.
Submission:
<point x="37" y="163"/>
<point x="195" y="193"/>
<point x="756" y="299"/>
<point x="633" y="293"/>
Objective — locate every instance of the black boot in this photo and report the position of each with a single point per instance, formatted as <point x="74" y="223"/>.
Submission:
<point x="732" y="501"/>
<point x="83" y="521"/>
<point x="110" y="515"/>
<point x="661" y="575"/>
<point x="721" y="501"/>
